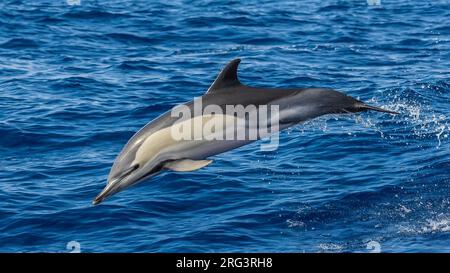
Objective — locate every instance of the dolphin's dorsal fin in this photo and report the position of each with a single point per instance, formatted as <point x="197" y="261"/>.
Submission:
<point x="186" y="165"/>
<point x="227" y="77"/>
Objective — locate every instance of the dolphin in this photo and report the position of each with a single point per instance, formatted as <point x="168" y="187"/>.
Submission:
<point x="154" y="149"/>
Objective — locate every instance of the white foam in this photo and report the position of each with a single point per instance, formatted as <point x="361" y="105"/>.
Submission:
<point x="438" y="224"/>
<point x="73" y="2"/>
<point x="294" y="223"/>
<point x="433" y="226"/>
<point x="330" y="247"/>
<point x="423" y="120"/>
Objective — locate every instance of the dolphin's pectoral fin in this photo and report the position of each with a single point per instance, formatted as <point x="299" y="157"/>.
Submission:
<point x="227" y="77"/>
<point x="186" y="165"/>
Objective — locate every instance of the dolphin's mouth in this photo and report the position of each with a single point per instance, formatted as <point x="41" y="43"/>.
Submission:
<point x="107" y="191"/>
<point x="128" y="171"/>
<point x="150" y="173"/>
<point x="114" y="185"/>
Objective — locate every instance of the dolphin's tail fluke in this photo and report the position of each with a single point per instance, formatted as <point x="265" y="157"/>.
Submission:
<point x="366" y="107"/>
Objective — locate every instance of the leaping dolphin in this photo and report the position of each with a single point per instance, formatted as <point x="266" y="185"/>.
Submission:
<point x="153" y="148"/>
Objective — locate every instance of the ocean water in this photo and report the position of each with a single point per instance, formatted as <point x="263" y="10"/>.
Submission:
<point x="78" y="78"/>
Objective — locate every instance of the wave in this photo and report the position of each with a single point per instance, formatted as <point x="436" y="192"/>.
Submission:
<point x="19" y="43"/>
<point x="95" y="15"/>
<point x="130" y="38"/>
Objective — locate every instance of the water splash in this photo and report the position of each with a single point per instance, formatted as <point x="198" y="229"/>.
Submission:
<point x="73" y="2"/>
<point x="294" y="223"/>
<point x="438" y="224"/>
<point x="416" y="119"/>
<point x="330" y="247"/>
<point x="422" y="121"/>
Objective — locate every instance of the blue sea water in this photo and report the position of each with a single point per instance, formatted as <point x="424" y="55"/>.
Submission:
<point x="78" y="78"/>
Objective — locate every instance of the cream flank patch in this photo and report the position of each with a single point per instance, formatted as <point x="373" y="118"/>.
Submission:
<point x="203" y="128"/>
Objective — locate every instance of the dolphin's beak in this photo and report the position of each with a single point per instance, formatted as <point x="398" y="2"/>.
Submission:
<point x="107" y="191"/>
<point x="97" y="200"/>
<point x="114" y="185"/>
